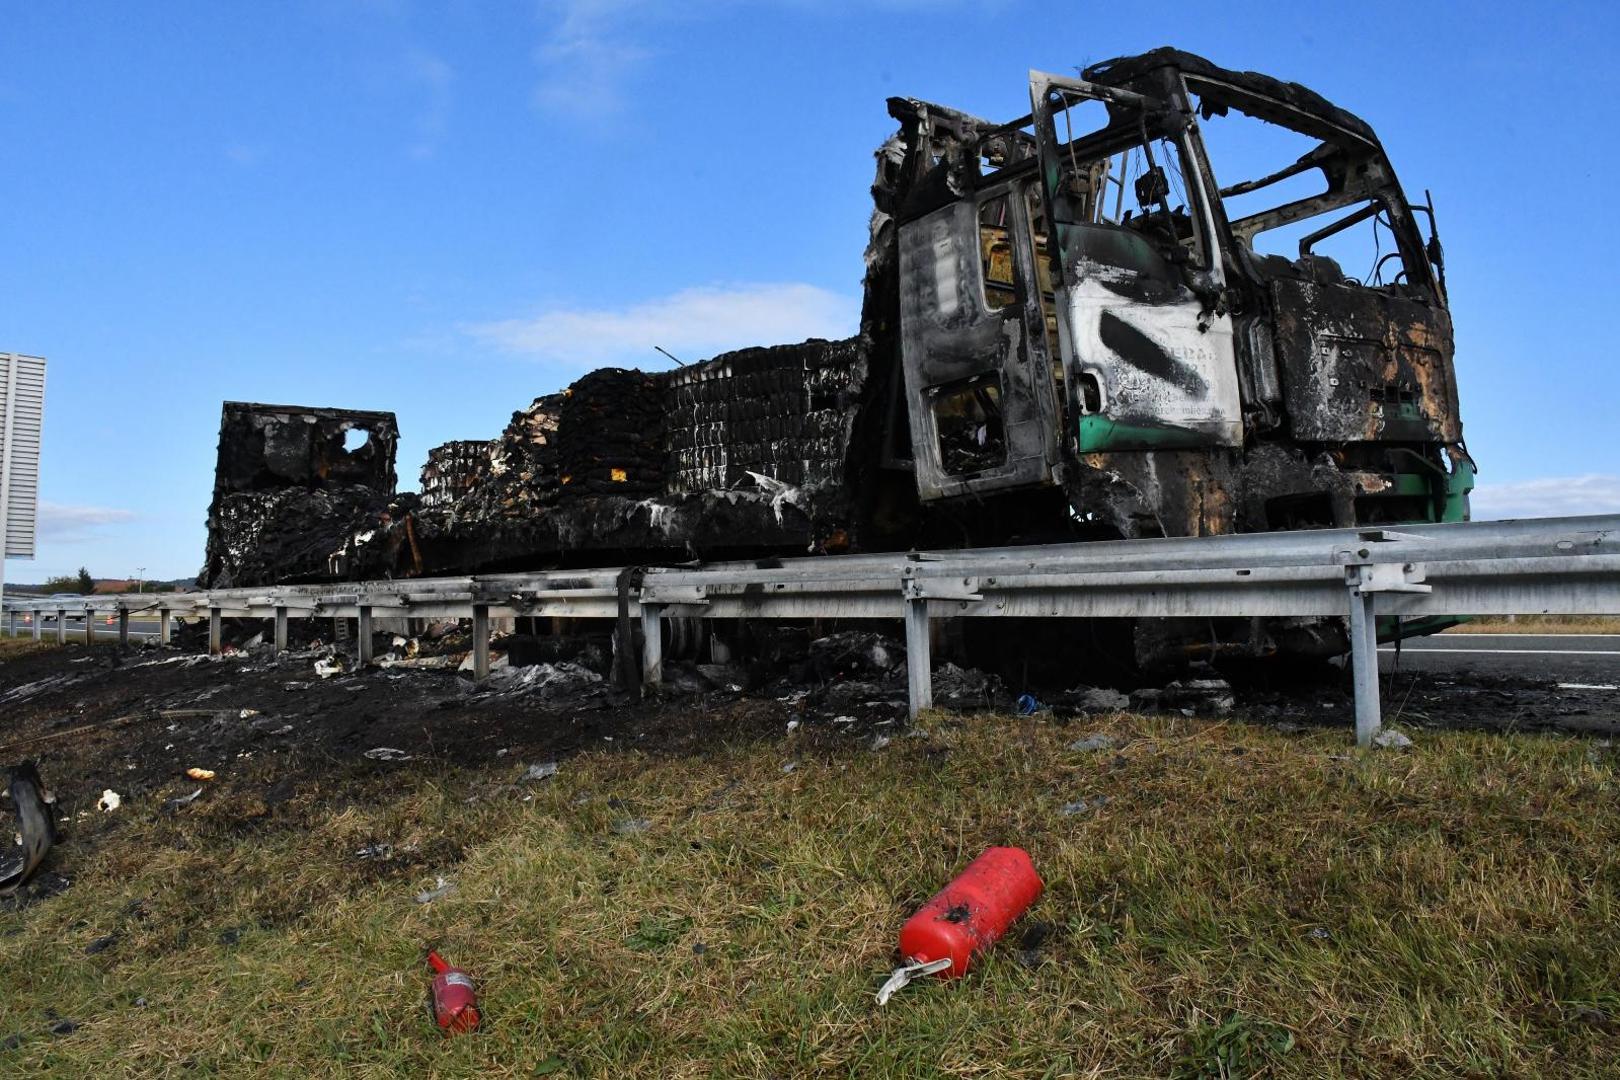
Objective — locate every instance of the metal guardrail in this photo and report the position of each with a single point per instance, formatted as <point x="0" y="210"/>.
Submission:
<point x="1565" y="566"/>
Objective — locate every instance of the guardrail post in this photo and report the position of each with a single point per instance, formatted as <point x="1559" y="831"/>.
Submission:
<point x="480" y="642"/>
<point x="89" y="627"/>
<point x="11" y="622"/>
<point x="364" y="633"/>
<point x="39" y="622"/>
<point x="281" y="629"/>
<point x="919" y="661"/>
<point x="61" y="626"/>
<point x="123" y="628"/>
<point x="216" y="632"/>
<point x="1364" y="664"/>
<point x="164" y="632"/>
<point x="652" y="644"/>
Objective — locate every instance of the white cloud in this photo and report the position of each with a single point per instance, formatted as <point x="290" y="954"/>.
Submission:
<point x="587" y="56"/>
<point x="1553" y="496"/>
<point x="692" y="324"/>
<point x="436" y="77"/>
<point x="63" y="524"/>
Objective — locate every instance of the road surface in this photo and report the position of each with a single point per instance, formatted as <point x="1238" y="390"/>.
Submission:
<point x="1588" y="659"/>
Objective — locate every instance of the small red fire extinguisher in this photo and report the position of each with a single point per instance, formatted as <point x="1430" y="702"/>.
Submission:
<point x="455" y="1000"/>
<point x="966" y="917"/>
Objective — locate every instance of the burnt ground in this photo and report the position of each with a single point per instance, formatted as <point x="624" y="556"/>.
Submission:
<point x="273" y="731"/>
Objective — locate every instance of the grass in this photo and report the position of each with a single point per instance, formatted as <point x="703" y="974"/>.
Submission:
<point x="1240" y="902"/>
<point x="12" y="648"/>
<point x="1539" y="624"/>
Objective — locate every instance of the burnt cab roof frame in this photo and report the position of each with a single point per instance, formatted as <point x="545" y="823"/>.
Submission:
<point x="1349" y="147"/>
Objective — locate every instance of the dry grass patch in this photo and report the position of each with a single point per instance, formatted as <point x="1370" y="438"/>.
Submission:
<point x="1231" y="901"/>
<point x="1539" y="624"/>
<point x="12" y="648"/>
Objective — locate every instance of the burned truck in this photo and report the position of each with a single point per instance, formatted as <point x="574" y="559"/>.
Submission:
<point x="1084" y="306"/>
<point x="1111" y="317"/>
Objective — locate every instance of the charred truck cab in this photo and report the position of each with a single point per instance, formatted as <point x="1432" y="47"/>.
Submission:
<point x="1087" y="306"/>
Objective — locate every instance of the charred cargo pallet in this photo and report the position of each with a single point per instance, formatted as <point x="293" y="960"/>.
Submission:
<point x="293" y="484"/>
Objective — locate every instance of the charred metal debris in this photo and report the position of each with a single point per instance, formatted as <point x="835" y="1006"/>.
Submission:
<point x="1077" y="324"/>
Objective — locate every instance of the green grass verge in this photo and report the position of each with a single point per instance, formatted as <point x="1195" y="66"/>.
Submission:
<point x="1233" y="902"/>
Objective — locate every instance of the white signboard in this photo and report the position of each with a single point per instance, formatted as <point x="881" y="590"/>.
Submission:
<point x="22" y="410"/>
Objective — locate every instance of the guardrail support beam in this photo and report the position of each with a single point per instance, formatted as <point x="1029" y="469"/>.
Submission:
<point x="281" y="629"/>
<point x="61" y="626"/>
<point x="89" y="627"/>
<point x="919" y="661"/>
<point x="364" y="634"/>
<point x="123" y="628"/>
<point x="1364" y="665"/>
<point x="216" y="632"/>
<point x="652" y="644"/>
<point x="165" y="631"/>
<point x="39" y="622"/>
<point x="480" y="642"/>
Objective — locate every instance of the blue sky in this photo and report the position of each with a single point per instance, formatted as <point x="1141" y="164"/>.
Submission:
<point x="446" y="209"/>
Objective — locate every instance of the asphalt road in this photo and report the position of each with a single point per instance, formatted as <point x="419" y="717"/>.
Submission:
<point x="138" y="628"/>
<point x="1590" y="659"/>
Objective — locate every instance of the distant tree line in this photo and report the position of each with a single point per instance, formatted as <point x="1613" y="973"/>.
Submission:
<point x="84" y="584"/>
<point x="81" y="582"/>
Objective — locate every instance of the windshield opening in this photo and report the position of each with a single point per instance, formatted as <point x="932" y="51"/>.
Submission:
<point x="1117" y="171"/>
<point x="1302" y="206"/>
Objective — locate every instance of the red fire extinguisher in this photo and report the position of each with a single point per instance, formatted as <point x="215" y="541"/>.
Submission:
<point x="455" y="999"/>
<point x="966" y="917"/>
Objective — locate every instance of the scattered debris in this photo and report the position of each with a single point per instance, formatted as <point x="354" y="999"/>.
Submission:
<point x="36" y="827"/>
<point x="1080" y="806"/>
<point x="1029" y="705"/>
<point x="419" y="663"/>
<point x="497" y="662"/>
<point x="1029" y="944"/>
<point x="790" y="766"/>
<point x="387" y="753"/>
<point x="543" y="771"/>
<point x="441" y="889"/>
<point x="101" y="944"/>
<point x="63" y="1027"/>
<point x="880" y="741"/>
<point x="1190" y="697"/>
<point x="375" y="851"/>
<point x="1099" y="741"/>
<point x="182" y="800"/>
<point x="110" y="800"/>
<point x="328" y="666"/>
<point x="547" y="681"/>
<point x="1390" y="739"/>
<point x="200" y="774"/>
<point x="1097" y="699"/>
<point x="967" y="687"/>
<point x="632" y="826"/>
